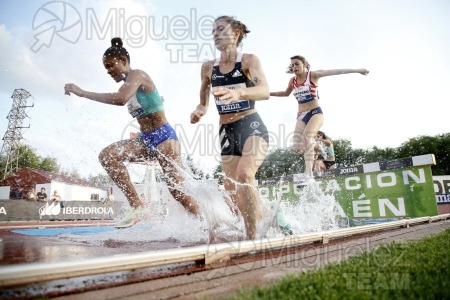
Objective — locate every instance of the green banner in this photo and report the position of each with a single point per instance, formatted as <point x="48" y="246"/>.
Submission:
<point x="401" y="193"/>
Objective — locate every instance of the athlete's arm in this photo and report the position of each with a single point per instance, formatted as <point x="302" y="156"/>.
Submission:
<point x="322" y="73"/>
<point x="252" y="67"/>
<point x="327" y="142"/>
<point x="134" y="80"/>
<point x="205" y="89"/>
<point x="285" y="93"/>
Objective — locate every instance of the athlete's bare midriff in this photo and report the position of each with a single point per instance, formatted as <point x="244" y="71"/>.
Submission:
<point x="152" y="121"/>
<point x="233" y="117"/>
<point x="308" y="106"/>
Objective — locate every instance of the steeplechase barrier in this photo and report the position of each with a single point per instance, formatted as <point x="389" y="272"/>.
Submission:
<point x="206" y="254"/>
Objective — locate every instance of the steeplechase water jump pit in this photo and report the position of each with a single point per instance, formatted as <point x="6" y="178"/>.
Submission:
<point x="310" y="212"/>
<point x="166" y="225"/>
<point x="381" y="191"/>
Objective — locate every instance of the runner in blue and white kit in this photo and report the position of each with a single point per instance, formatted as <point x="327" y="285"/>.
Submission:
<point x="236" y="80"/>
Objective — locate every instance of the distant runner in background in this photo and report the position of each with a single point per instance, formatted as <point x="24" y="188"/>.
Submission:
<point x="326" y="159"/>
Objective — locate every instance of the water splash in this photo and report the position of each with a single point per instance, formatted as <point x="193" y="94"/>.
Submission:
<point x="312" y="210"/>
<point x="166" y="219"/>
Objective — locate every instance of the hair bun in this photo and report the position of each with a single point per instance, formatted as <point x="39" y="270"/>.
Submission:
<point x="117" y="42"/>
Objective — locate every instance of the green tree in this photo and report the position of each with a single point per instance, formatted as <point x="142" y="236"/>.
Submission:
<point x="74" y="174"/>
<point x="345" y="155"/>
<point x="377" y="154"/>
<point x="438" y="145"/>
<point x="28" y="158"/>
<point x="100" y="180"/>
<point x="49" y="164"/>
<point x="217" y="174"/>
<point x="198" y="173"/>
<point x="279" y="162"/>
<point x="283" y="161"/>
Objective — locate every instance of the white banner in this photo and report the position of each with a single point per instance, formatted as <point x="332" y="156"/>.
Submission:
<point x="442" y="188"/>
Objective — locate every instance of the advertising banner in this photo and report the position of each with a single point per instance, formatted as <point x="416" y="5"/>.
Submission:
<point x="382" y="192"/>
<point x="442" y="189"/>
<point x="23" y="210"/>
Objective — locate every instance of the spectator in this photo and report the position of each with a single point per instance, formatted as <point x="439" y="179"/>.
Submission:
<point x="110" y="197"/>
<point x="32" y="195"/>
<point x="19" y="194"/>
<point x="56" y="196"/>
<point x="42" y="196"/>
<point x="15" y="194"/>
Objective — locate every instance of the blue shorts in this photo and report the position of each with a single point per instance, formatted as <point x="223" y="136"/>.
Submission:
<point x="154" y="138"/>
<point x="305" y="116"/>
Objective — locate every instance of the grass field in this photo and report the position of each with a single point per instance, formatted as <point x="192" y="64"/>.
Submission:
<point x="412" y="270"/>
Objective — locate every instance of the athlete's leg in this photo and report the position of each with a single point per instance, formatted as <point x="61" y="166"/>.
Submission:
<point x="170" y="161"/>
<point x="333" y="166"/>
<point x="229" y="165"/>
<point x="316" y="158"/>
<point x="319" y="165"/>
<point x="299" y="141"/>
<point x="310" y="133"/>
<point x="112" y="159"/>
<point x="247" y="198"/>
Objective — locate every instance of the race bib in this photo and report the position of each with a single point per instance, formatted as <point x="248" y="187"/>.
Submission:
<point x="303" y="93"/>
<point x="134" y="108"/>
<point x="224" y="107"/>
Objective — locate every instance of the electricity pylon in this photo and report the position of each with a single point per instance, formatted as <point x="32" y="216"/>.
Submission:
<point x="13" y="136"/>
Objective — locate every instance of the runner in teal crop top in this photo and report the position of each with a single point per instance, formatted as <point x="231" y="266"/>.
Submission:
<point x="157" y="141"/>
<point x="142" y="104"/>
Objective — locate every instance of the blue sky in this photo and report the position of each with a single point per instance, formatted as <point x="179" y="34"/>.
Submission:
<point x="403" y="43"/>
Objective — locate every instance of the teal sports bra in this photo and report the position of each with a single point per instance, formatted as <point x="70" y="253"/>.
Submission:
<point x="142" y="104"/>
